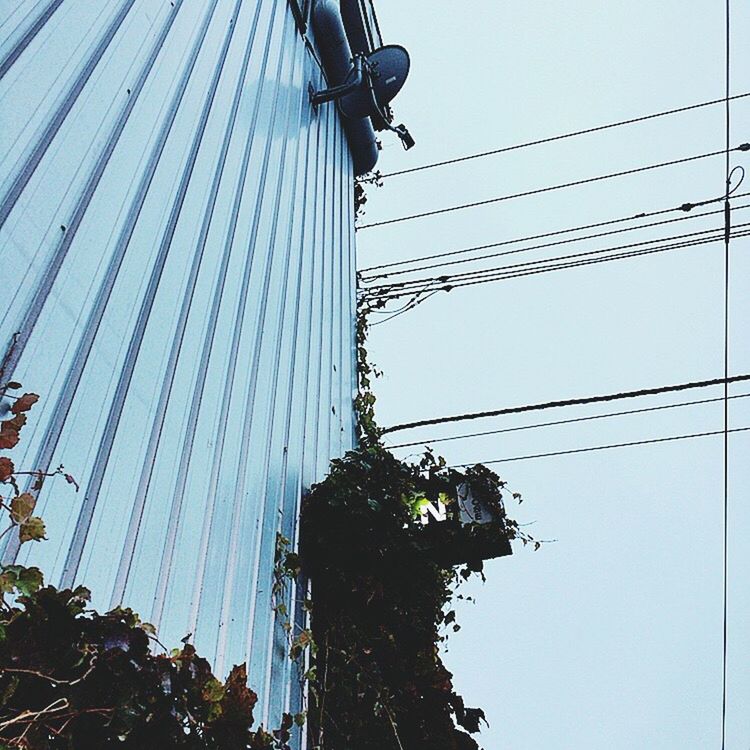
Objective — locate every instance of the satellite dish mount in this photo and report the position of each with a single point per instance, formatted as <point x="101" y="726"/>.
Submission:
<point x="371" y="85"/>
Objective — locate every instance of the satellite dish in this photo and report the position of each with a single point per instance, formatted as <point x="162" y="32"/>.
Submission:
<point x="388" y="68"/>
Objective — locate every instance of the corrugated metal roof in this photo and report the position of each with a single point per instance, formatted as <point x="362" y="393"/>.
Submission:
<point x="176" y="239"/>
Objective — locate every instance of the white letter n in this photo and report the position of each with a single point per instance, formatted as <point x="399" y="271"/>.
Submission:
<point x="438" y="513"/>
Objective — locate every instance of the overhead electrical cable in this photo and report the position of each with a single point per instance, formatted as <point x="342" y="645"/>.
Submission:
<point x="410" y="306"/>
<point x="368" y="272"/>
<point x="568" y="402"/>
<point x="556" y="243"/>
<point x="727" y="236"/>
<point x="594" y="261"/>
<point x="511" y="271"/>
<point x="462" y="275"/>
<point x="603" y="447"/>
<point x="557" y="422"/>
<point x="381" y="295"/>
<point x="505" y="149"/>
<point x="550" y="188"/>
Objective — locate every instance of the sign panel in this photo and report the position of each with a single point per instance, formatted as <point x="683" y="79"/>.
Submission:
<point x="470" y="508"/>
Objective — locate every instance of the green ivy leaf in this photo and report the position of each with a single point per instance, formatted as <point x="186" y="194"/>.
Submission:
<point x="148" y="628"/>
<point x="17" y="578"/>
<point x="7" y="581"/>
<point x="32" y="530"/>
<point x="213" y="691"/>
<point x="29" y="581"/>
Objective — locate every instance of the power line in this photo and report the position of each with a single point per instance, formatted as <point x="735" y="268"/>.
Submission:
<point x="557" y="422"/>
<point x="378" y="176"/>
<point x="532" y="268"/>
<point x="568" y="402"/>
<point x="382" y="299"/>
<point x="594" y="261"/>
<point x="556" y="243"/>
<point x="549" y="188"/>
<point x="555" y="233"/>
<point x="715" y="232"/>
<point x="727" y="234"/>
<point x="604" y="447"/>
<point x="409" y="306"/>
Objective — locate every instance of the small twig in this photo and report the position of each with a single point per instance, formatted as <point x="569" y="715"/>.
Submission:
<point x="325" y="683"/>
<point x="44" y="474"/>
<point x="393" y="725"/>
<point x="51" y="679"/>
<point x="156" y="640"/>
<point x="27" y="716"/>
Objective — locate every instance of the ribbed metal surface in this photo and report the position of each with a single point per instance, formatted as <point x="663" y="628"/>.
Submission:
<point x="176" y="245"/>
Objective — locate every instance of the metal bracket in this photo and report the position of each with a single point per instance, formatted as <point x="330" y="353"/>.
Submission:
<point x="336" y="92"/>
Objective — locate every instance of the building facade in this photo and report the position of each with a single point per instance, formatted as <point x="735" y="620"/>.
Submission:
<point x="177" y="262"/>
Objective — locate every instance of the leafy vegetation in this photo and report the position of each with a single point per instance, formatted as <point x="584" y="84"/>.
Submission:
<point x="73" y="678"/>
<point x="382" y="590"/>
<point x="383" y="584"/>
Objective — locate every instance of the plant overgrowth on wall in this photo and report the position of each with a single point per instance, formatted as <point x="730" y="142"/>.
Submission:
<point x="383" y="587"/>
<point x="383" y="584"/>
<point x="360" y="195"/>
<point x="73" y="678"/>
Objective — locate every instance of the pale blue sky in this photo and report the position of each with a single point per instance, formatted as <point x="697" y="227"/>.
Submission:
<point x="611" y="637"/>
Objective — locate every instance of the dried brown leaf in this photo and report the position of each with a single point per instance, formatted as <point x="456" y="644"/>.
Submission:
<point x="6" y="469"/>
<point x="24" y="403"/>
<point x="22" y="507"/>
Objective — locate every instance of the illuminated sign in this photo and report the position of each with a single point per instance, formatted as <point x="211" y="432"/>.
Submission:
<point x="470" y="508"/>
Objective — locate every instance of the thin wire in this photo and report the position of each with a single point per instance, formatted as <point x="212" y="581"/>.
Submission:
<point x="727" y="236"/>
<point x="550" y="139"/>
<point x="594" y="261"/>
<point x="557" y="243"/>
<point x="547" y="189"/>
<point x="365" y="271"/>
<point x="604" y="447"/>
<point x="566" y="421"/>
<point x="386" y="312"/>
<point x="532" y="268"/>
<point x="463" y="275"/>
<point x="414" y="303"/>
<point x="568" y="402"/>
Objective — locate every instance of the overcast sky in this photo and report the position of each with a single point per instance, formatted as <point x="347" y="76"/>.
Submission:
<point x="612" y="636"/>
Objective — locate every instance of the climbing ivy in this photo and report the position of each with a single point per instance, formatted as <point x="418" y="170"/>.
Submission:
<point x="368" y="432"/>
<point x="383" y="584"/>
<point x="360" y="195"/>
<point x="73" y="678"/>
<point x="382" y="594"/>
